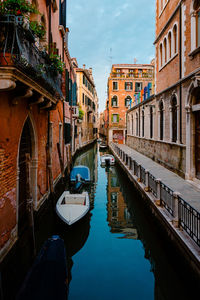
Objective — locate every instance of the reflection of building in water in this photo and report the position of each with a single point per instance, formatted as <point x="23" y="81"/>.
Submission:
<point x="118" y="215"/>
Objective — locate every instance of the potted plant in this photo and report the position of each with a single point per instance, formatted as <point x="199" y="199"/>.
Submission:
<point x="37" y="29"/>
<point x="81" y="114"/>
<point x="16" y="8"/>
<point x="56" y="64"/>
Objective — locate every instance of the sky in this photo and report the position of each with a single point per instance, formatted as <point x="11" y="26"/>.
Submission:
<point x="106" y="32"/>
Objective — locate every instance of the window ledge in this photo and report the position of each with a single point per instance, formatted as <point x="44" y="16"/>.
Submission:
<point x="194" y="52"/>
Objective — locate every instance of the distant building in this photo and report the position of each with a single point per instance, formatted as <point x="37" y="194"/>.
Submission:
<point x="125" y="85"/>
<point x="172" y="118"/>
<point x="87" y="123"/>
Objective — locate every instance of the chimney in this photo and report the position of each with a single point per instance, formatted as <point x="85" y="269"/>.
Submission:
<point x="90" y="71"/>
<point x="84" y="66"/>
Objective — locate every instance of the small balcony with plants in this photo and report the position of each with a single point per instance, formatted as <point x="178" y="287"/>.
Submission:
<point x="20" y="51"/>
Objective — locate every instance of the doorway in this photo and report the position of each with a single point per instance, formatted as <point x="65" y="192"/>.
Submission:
<point x="25" y="148"/>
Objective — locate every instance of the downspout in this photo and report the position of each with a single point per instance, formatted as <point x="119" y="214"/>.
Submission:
<point x="180" y="71"/>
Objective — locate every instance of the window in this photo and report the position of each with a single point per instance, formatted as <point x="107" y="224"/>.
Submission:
<point x="161" y="55"/>
<point x="137" y="125"/>
<point x="198" y="28"/>
<point x="143" y="123"/>
<point x="165" y="50"/>
<point x="115" y="118"/>
<point x="83" y="99"/>
<point x="138" y="86"/>
<point x="151" y="122"/>
<point x="132" y="124"/>
<point x="174" y="119"/>
<point x="128" y="86"/>
<point x="114" y="101"/>
<point x="170" y="44"/>
<point x="127" y="101"/>
<point x="161" y="107"/>
<point x="175" y="38"/>
<point x="115" y="85"/>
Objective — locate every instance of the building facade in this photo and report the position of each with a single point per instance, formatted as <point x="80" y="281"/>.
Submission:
<point x="37" y="90"/>
<point x="174" y="112"/>
<point x="87" y="124"/>
<point x="125" y="83"/>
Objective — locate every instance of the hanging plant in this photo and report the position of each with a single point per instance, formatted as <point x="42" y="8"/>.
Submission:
<point x="17" y="8"/>
<point x="81" y="114"/>
<point x="37" y="29"/>
<point x="56" y="63"/>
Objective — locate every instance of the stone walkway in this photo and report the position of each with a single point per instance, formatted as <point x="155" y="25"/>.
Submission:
<point x="188" y="191"/>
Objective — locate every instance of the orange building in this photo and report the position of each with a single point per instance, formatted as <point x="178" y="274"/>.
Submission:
<point x="125" y="82"/>
<point x="37" y="89"/>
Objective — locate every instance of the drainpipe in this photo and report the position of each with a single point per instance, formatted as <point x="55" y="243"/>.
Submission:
<point x="180" y="71"/>
<point x="49" y="31"/>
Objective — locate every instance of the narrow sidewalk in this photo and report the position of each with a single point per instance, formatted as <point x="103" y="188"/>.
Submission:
<point x="189" y="193"/>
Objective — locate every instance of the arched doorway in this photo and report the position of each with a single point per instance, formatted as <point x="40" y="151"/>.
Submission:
<point x="24" y="149"/>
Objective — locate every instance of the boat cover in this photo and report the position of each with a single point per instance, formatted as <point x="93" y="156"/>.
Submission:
<point x="82" y="170"/>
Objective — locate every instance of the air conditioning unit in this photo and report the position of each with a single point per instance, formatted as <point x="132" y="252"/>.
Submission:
<point x="75" y="111"/>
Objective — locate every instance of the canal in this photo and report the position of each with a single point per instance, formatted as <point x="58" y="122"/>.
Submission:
<point x="118" y="251"/>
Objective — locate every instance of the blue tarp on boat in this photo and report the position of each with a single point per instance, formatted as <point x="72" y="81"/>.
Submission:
<point x="83" y="171"/>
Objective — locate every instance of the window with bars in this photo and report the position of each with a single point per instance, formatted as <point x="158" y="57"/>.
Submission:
<point x="138" y="86"/>
<point x="114" y="101"/>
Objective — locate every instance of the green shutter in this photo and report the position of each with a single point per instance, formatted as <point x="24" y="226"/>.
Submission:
<point x="112" y="118"/>
<point x="117" y="117"/>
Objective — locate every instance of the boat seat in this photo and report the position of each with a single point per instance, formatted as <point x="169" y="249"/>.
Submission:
<point x="75" y="200"/>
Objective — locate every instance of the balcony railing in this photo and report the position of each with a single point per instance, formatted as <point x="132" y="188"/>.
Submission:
<point x="132" y="75"/>
<point x="17" y="48"/>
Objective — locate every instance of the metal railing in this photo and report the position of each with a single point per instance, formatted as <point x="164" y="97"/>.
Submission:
<point x="17" y="47"/>
<point x="152" y="184"/>
<point x="143" y="175"/>
<point x="189" y="220"/>
<point x="166" y="197"/>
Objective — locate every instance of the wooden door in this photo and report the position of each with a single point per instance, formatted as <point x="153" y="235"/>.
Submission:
<point x="197" y="143"/>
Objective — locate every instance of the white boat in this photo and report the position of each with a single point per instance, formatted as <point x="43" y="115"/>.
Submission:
<point x="72" y="207"/>
<point x="107" y="159"/>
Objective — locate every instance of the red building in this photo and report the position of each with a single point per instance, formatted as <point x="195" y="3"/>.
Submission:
<point x="37" y="89"/>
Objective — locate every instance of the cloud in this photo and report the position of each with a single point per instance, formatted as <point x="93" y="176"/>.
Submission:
<point x="127" y="28"/>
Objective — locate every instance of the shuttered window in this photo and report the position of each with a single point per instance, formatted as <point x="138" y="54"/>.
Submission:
<point x="67" y="133"/>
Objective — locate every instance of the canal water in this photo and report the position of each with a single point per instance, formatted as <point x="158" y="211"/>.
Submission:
<point x="118" y="251"/>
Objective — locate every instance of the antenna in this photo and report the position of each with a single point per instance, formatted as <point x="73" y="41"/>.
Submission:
<point x="135" y="60"/>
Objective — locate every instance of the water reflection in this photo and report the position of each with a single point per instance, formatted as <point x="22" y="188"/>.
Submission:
<point x="119" y="218"/>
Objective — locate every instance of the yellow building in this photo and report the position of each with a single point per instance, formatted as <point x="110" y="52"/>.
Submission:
<point x="86" y="130"/>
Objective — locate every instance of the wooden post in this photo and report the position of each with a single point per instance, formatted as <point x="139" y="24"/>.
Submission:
<point x="60" y="159"/>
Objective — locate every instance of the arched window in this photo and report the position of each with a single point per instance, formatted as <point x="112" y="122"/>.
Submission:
<point x="127" y="101"/>
<point x="165" y="50"/>
<point x="170" y="44"/>
<point x="175" y="38"/>
<point x="151" y="122"/>
<point x="161" y="107"/>
<point x="161" y="55"/>
<point x="174" y="119"/>
<point x="137" y="125"/>
<point x="132" y="124"/>
<point x="114" y="101"/>
<point x="143" y="122"/>
<point x="196" y="7"/>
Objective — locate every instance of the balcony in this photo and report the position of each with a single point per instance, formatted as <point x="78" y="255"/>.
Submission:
<point x="21" y="60"/>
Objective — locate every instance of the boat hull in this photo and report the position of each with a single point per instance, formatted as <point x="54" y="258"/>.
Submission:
<point x="72" y="207"/>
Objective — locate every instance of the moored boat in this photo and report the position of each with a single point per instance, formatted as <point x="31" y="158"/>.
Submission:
<point x="72" y="207"/>
<point x="102" y="145"/>
<point x="47" y="278"/>
<point x="107" y="160"/>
